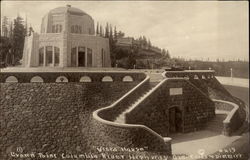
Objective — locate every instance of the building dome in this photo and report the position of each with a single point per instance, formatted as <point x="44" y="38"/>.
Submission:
<point x="67" y="19"/>
<point x="68" y="9"/>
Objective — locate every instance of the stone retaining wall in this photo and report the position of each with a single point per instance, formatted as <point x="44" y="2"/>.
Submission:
<point x="53" y="117"/>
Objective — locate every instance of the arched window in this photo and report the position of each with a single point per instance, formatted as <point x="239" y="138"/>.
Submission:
<point x="49" y="53"/>
<point x="73" y="57"/>
<point x="60" y="28"/>
<point x="53" y="28"/>
<point x="80" y="29"/>
<point x="57" y="27"/>
<point x="57" y="55"/>
<point x="76" y="29"/>
<point x="81" y="56"/>
<point x="41" y="56"/>
<point x="89" y="57"/>
<point x="103" y="57"/>
<point x="72" y="29"/>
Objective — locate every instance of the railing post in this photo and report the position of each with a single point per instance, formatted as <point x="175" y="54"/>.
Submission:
<point x="168" y="141"/>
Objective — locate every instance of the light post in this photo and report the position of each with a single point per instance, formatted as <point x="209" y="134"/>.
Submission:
<point x="231" y="70"/>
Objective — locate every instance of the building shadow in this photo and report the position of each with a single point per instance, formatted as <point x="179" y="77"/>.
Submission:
<point x="184" y="137"/>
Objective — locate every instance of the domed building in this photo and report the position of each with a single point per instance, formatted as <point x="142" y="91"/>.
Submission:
<point x="67" y="39"/>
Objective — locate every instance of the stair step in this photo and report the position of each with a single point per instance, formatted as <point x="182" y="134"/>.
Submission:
<point x="121" y="118"/>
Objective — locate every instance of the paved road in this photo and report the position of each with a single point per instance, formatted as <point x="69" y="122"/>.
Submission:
<point x="240" y="82"/>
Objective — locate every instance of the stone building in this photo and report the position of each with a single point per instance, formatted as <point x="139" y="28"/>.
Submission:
<point x="67" y="39"/>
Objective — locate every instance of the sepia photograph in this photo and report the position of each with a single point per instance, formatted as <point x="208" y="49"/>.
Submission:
<point x="124" y="80"/>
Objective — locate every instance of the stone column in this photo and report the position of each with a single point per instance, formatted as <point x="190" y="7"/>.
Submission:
<point x="77" y="64"/>
<point x="44" y="56"/>
<point x="86" y="56"/>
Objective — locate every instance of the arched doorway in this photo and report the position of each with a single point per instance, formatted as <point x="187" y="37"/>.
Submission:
<point x="175" y="119"/>
<point x="81" y="56"/>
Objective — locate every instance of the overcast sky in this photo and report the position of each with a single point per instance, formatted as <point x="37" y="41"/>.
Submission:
<point x="189" y="29"/>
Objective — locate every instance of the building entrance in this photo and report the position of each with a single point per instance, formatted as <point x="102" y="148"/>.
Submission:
<point x="81" y="59"/>
<point x="175" y="120"/>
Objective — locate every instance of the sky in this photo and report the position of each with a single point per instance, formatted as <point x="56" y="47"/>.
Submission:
<point x="188" y="29"/>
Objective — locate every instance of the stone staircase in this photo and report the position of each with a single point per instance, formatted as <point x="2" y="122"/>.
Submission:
<point x="121" y="117"/>
<point x="216" y="124"/>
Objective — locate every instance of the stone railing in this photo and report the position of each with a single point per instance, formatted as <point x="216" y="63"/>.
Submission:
<point x="191" y="74"/>
<point x="124" y="134"/>
<point x="232" y="121"/>
<point x="65" y="76"/>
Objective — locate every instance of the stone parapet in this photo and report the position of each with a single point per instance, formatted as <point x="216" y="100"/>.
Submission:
<point x="51" y="77"/>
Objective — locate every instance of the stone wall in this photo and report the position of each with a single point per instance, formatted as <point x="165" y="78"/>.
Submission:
<point x="53" y="117"/>
<point x="233" y="120"/>
<point x="153" y="111"/>
<point x="132" y="136"/>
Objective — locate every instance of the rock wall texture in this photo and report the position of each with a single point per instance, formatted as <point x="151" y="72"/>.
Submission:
<point x="196" y="108"/>
<point x="53" y="117"/>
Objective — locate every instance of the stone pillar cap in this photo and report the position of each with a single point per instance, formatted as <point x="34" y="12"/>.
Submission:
<point x="167" y="139"/>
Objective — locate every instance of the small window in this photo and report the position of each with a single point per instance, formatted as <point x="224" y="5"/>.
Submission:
<point x="11" y="79"/>
<point x="36" y="79"/>
<point x="62" y="79"/>
<point x="107" y="79"/>
<point x="127" y="79"/>
<point x="85" y="79"/>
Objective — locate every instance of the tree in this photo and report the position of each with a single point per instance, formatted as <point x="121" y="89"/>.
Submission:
<point x="115" y="33"/>
<point x="19" y="33"/>
<point x="120" y="34"/>
<point x="4" y="27"/>
<point x="149" y="43"/>
<point x="110" y="32"/>
<point x="101" y="31"/>
<point x="106" y="31"/>
<point x="144" y="41"/>
<point x="167" y="54"/>
<point x="97" y="28"/>
<point x="30" y="31"/>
